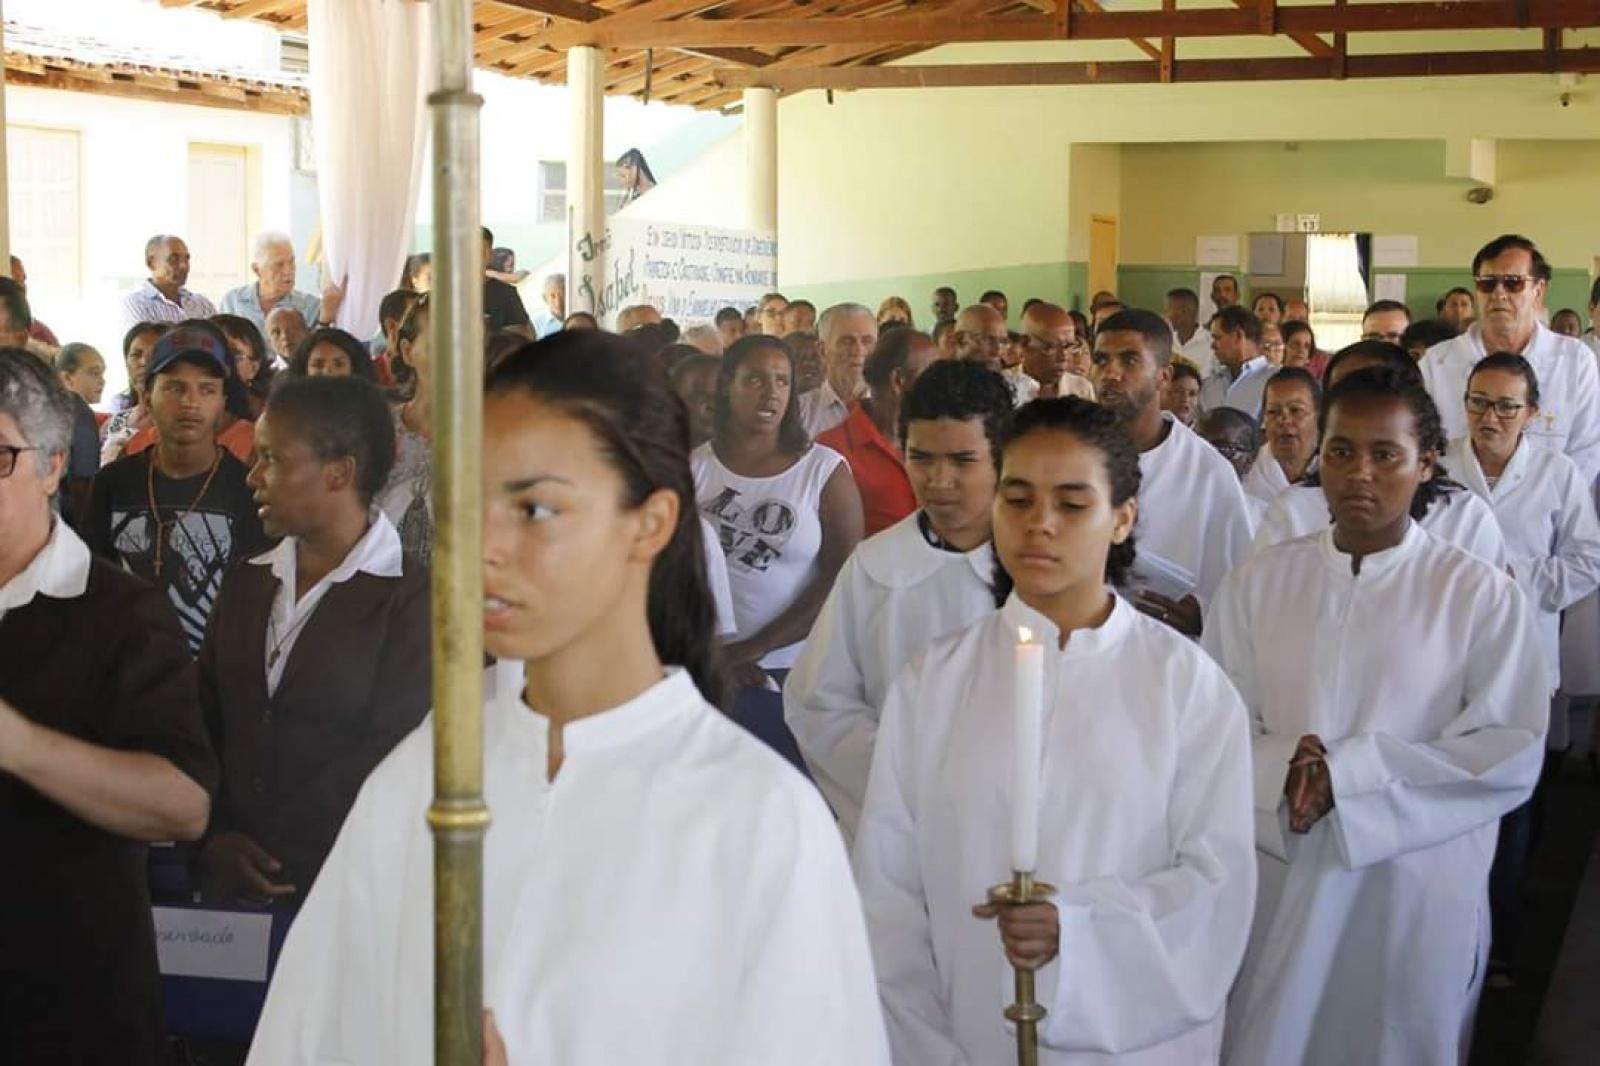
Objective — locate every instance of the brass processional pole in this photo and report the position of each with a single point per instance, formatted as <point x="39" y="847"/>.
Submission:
<point x="1026" y="1012"/>
<point x="458" y="816"/>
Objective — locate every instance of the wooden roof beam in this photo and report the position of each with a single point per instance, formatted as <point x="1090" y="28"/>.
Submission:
<point x="255" y="9"/>
<point x="939" y="28"/>
<point x="1267" y="13"/>
<point x="1138" y="42"/>
<point x="1135" y="72"/>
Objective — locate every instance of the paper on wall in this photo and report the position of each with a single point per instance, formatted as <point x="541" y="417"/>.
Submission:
<point x="1394" y="251"/>
<point x="1216" y="251"/>
<point x="1389" y="287"/>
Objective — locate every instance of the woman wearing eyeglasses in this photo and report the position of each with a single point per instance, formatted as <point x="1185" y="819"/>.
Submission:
<point x="1511" y="277"/>
<point x="1552" y="535"/>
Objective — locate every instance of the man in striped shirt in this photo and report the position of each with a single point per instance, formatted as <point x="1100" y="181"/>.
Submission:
<point x="163" y="298"/>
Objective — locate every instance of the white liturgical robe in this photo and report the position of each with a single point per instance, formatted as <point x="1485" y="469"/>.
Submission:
<point x="1144" y="830"/>
<point x="1569" y="391"/>
<point x="1423" y="678"/>
<point x="894" y="596"/>
<point x="1458" y="518"/>
<point x="1266" y="479"/>
<point x="1546" y="511"/>
<point x="1192" y="510"/>
<point x="677" y="896"/>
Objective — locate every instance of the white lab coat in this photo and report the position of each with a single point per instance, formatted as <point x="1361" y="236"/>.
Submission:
<point x="1460" y="518"/>
<point x="1145" y="832"/>
<point x="1547" y="514"/>
<point x="1423" y="678"/>
<point x="1569" y="391"/>
<point x="894" y="596"/>
<point x="1192" y="510"/>
<point x="677" y="896"/>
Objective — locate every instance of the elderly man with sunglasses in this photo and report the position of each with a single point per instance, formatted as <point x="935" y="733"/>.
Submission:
<point x="1510" y="278"/>
<point x="102" y="750"/>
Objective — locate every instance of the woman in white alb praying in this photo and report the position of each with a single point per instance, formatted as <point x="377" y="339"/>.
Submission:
<point x="1397" y="702"/>
<point x="922" y="578"/>
<point x="1144" y="794"/>
<point x="1445" y="508"/>
<point x="659" y="886"/>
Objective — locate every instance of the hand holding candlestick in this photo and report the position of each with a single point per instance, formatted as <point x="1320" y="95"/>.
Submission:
<point x="1030" y="930"/>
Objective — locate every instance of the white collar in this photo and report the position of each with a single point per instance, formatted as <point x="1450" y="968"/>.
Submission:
<point x="151" y="290"/>
<point x="900" y="556"/>
<point x="827" y="397"/>
<point x="1378" y="562"/>
<point x="1471" y="473"/>
<point x="60" y="571"/>
<point x="378" y="553"/>
<point x="1541" y="338"/>
<point x="672" y="696"/>
<point x="1083" y="642"/>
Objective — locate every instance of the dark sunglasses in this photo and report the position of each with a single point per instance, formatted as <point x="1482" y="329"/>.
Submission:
<point x="1512" y="283"/>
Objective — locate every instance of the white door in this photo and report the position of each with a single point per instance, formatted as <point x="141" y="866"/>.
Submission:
<point x="46" y="211"/>
<point x="218" y="234"/>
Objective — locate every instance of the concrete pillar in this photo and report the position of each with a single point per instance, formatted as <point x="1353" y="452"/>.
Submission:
<point x="761" y="159"/>
<point x="5" y="181"/>
<point x="586" y="162"/>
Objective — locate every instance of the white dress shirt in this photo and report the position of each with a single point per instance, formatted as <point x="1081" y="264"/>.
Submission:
<point x="148" y="304"/>
<point x="377" y="553"/>
<point x="1197" y="350"/>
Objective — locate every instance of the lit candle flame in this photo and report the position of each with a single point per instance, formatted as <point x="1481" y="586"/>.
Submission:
<point x="1024" y="634"/>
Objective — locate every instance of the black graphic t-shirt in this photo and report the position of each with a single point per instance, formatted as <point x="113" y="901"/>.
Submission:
<point x="197" y="546"/>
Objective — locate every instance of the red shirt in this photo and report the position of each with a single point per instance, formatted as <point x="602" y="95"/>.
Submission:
<point x="880" y="474"/>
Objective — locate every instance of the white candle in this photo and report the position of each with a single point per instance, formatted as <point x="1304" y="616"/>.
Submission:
<point x="1027" y="737"/>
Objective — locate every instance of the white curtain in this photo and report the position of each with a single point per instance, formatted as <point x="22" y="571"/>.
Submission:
<point x="1335" y="288"/>
<point x="371" y="71"/>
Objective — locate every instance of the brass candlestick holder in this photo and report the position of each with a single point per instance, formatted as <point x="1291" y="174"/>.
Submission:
<point x="1025" y="1013"/>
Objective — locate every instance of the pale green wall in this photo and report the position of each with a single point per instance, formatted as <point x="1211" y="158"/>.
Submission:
<point x="1174" y="192"/>
<point x="1146" y="285"/>
<point x="1066" y="283"/>
<point x="895" y="187"/>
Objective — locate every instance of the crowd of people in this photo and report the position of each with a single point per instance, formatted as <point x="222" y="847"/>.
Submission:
<point x="1313" y="628"/>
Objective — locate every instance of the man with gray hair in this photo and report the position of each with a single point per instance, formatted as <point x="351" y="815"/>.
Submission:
<point x="272" y="262"/>
<point x="163" y="298"/>
<point x="846" y="334"/>
<point x="704" y="337"/>
<point x="549" y="320"/>
<point x="102" y="750"/>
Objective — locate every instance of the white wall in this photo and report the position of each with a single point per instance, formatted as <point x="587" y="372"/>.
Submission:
<point x="133" y="183"/>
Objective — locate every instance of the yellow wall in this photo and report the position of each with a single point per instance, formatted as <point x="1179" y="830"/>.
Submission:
<point x="913" y="183"/>
<point x="1172" y="193"/>
<point x="1094" y="188"/>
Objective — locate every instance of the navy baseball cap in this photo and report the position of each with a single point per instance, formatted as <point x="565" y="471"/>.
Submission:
<point x="187" y="341"/>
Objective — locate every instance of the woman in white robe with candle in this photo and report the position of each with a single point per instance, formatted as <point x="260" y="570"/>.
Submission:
<point x="1396" y="696"/>
<point x="659" y="887"/>
<point x="918" y="580"/>
<point x="1143" y="794"/>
